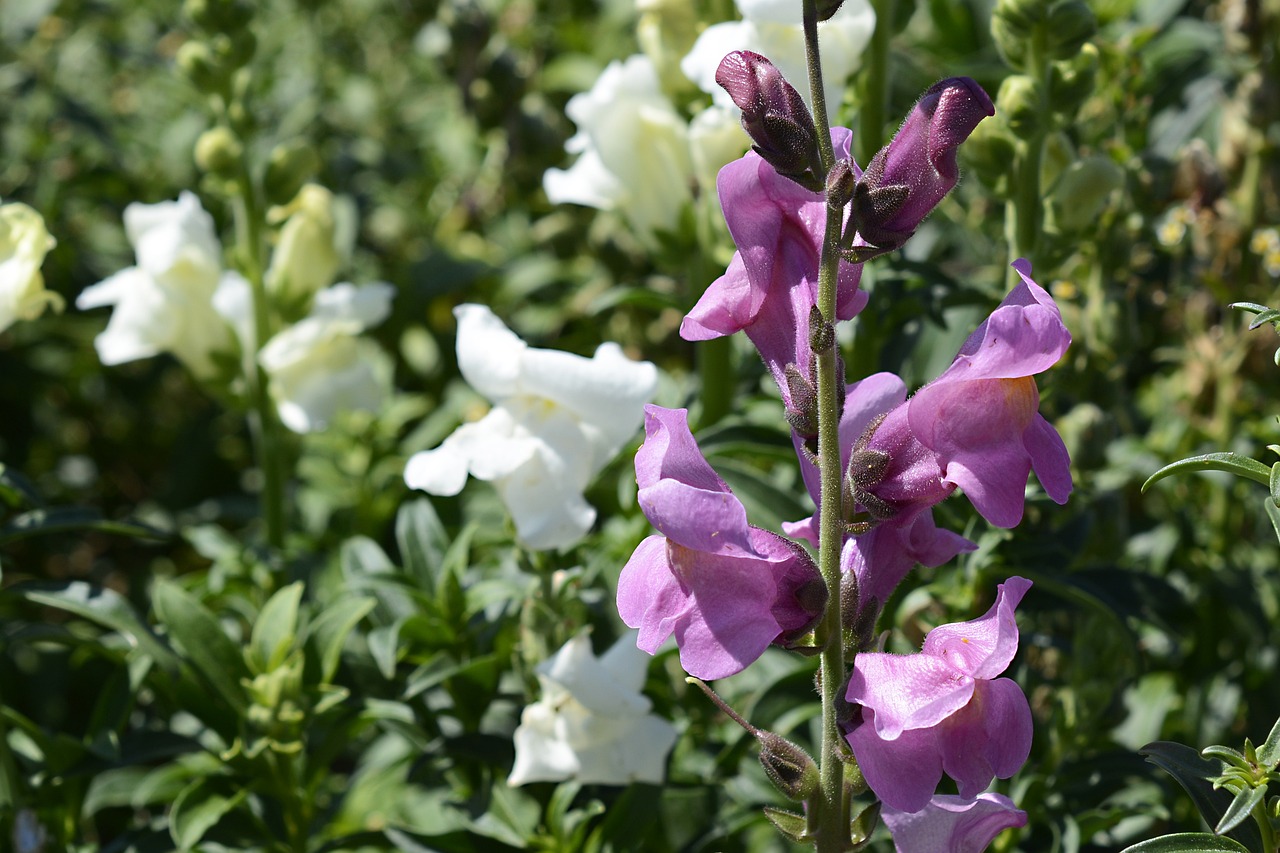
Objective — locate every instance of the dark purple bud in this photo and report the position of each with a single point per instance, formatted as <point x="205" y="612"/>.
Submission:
<point x="791" y="770"/>
<point x="910" y="175"/>
<point x="773" y="114"/>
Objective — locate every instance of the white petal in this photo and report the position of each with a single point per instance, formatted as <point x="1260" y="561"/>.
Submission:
<point x="442" y="471"/>
<point x="711" y="46"/>
<point x="489" y="354"/>
<point x="541" y="756"/>
<point x="586" y="182"/>
<point x="368" y="304"/>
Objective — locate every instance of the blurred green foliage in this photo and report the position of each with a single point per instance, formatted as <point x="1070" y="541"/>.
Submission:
<point x="182" y="688"/>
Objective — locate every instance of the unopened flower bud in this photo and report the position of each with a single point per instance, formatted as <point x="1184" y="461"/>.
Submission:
<point x="1070" y="24"/>
<point x="289" y="166"/>
<point x="827" y="8"/>
<point x="909" y="176"/>
<point x="1073" y="81"/>
<point x="988" y="152"/>
<point x="1013" y="25"/>
<point x="306" y="258"/>
<point x="1020" y="105"/>
<point x="218" y="152"/>
<point x="788" y="767"/>
<point x="840" y="184"/>
<point x="234" y="50"/>
<point x="219" y="15"/>
<point x="802" y="412"/>
<point x="1081" y="193"/>
<point x="773" y="114"/>
<point x="196" y="61"/>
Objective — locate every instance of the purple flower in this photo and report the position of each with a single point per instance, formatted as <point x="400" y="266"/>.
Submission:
<point x="910" y="175"/>
<point x="943" y="709"/>
<point x="771" y="284"/>
<point x="773" y="113"/>
<point x="953" y="824"/>
<point x="725" y="589"/>
<point x="977" y="426"/>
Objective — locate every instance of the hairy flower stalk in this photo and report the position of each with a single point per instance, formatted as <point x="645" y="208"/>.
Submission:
<point x="828" y="820"/>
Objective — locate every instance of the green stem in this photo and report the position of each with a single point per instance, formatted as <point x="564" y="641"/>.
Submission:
<point x="1025" y="205"/>
<point x="828" y="819"/>
<point x="264" y="425"/>
<point x="1264" y="827"/>
<point x="874" y="85"/>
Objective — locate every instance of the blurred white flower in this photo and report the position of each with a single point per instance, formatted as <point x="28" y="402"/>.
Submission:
<point x="592" y="723"/>
<point x="306" y="258"/>
<point x="165" y="303"/>
<point x="773" y="29"/>
<point x="716" y="137"/>
<point x="24" y="241"/>
<point x="320" y="365"/>
<point x="557" y="420"/>
<point x="632" y="147"/>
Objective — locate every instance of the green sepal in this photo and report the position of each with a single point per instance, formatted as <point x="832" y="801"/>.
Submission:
<point x="1232" y="463"/>
<point x="792" y="825"/>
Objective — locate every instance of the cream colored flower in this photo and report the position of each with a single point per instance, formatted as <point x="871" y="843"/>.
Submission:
<point x="306" y="258"/>
<point x="592" y="723"/>
<point x="557" y="420"/>
<point x="165" y="303"/>
<point x="24" y="242"/>
<point x="321" y="366"/>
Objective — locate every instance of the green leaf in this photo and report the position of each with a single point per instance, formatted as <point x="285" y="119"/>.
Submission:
<point x="64" y="519"/>
<point x="1274" y="484"/>
<point x="197" y="810"/>
<point x="422" y="541"/>
<point x="276" y="626"/>
<point x="1231" y="462"/>
<point x="1241" y="807"/>
<point x="384" y="642"/>
<point x="1269" y="752"/>
<point x="1195" y="774"/>
<point x="103" y="606"/>
<point x="206" y="644"/>
<point x="15" y="489"/>
<point x="1188" y="842"/>
<point x="328" y="631"/>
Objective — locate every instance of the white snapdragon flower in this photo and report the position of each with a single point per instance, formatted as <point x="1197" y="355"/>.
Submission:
<point x="773" y="29"/>
<point x="165" y="303"/>
<point x="557" y="420"/>
<point x="632" y="147"/>
<point x="592" y="723"/>
<point x="306" y="258"/>
<point x="320" y="365"/>
<point x="24" y="241"/>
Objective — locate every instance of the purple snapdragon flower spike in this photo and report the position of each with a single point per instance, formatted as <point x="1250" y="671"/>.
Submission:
<point x="977" y="426"/>
<point x="909" y="176"/>
<point x="771" y="284"/>
<point x="774" y="115"/>
<point x="724" y="589"/>
<point x="943" y="709"/>
<point x="953" y="824"/>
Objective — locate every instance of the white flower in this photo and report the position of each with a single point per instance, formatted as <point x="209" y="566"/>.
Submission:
<point x="773" y="29"/>
<point x="716" y="137"/>
<point x="592" y="723"/>
<point x="165" y="303"/>
<point x="632" y="147"/>
<point x="557" y="420"/>
<point x="24" y="241"/>
<point x="320" y="365"/>
<point x="306" y="258"/>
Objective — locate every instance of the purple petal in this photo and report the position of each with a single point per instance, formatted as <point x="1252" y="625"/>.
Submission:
<point x="983" y="647"/>
<point x="883" y="556"/>
<point x="670" y="452"/>
<point x="864" y="401"/>
<point x="884" y="764"/>
<point x="650" y="596"/>
<point x="953" y="824"/>
<point x="907" y="691"/>
<point x="990" y="737"/>
<point x="1049" y="457"/>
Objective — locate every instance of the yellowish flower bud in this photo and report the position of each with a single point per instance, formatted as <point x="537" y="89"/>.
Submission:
<point x="24" y="241"/>
<point x="218" y="152"/>
<point x="306" y="257"/>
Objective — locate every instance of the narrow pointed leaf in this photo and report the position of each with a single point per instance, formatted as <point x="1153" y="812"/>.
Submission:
<point x="104" y="607"/>
<point x="790" y="824"/>
<point x="422" y="541"/>
<point x="204" y="641"/>
<point x="1269" y="752"/>
<point x="1240" y="809"/>
<point x="1232" y="463"/>
<point x="277" y="625"/>
<point x="1188" y="842"/>
<point x="1195" y="774"/>
<point x="328" y="631"/>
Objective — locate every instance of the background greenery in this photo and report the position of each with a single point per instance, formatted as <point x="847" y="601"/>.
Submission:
<point x="178" y="689"/>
